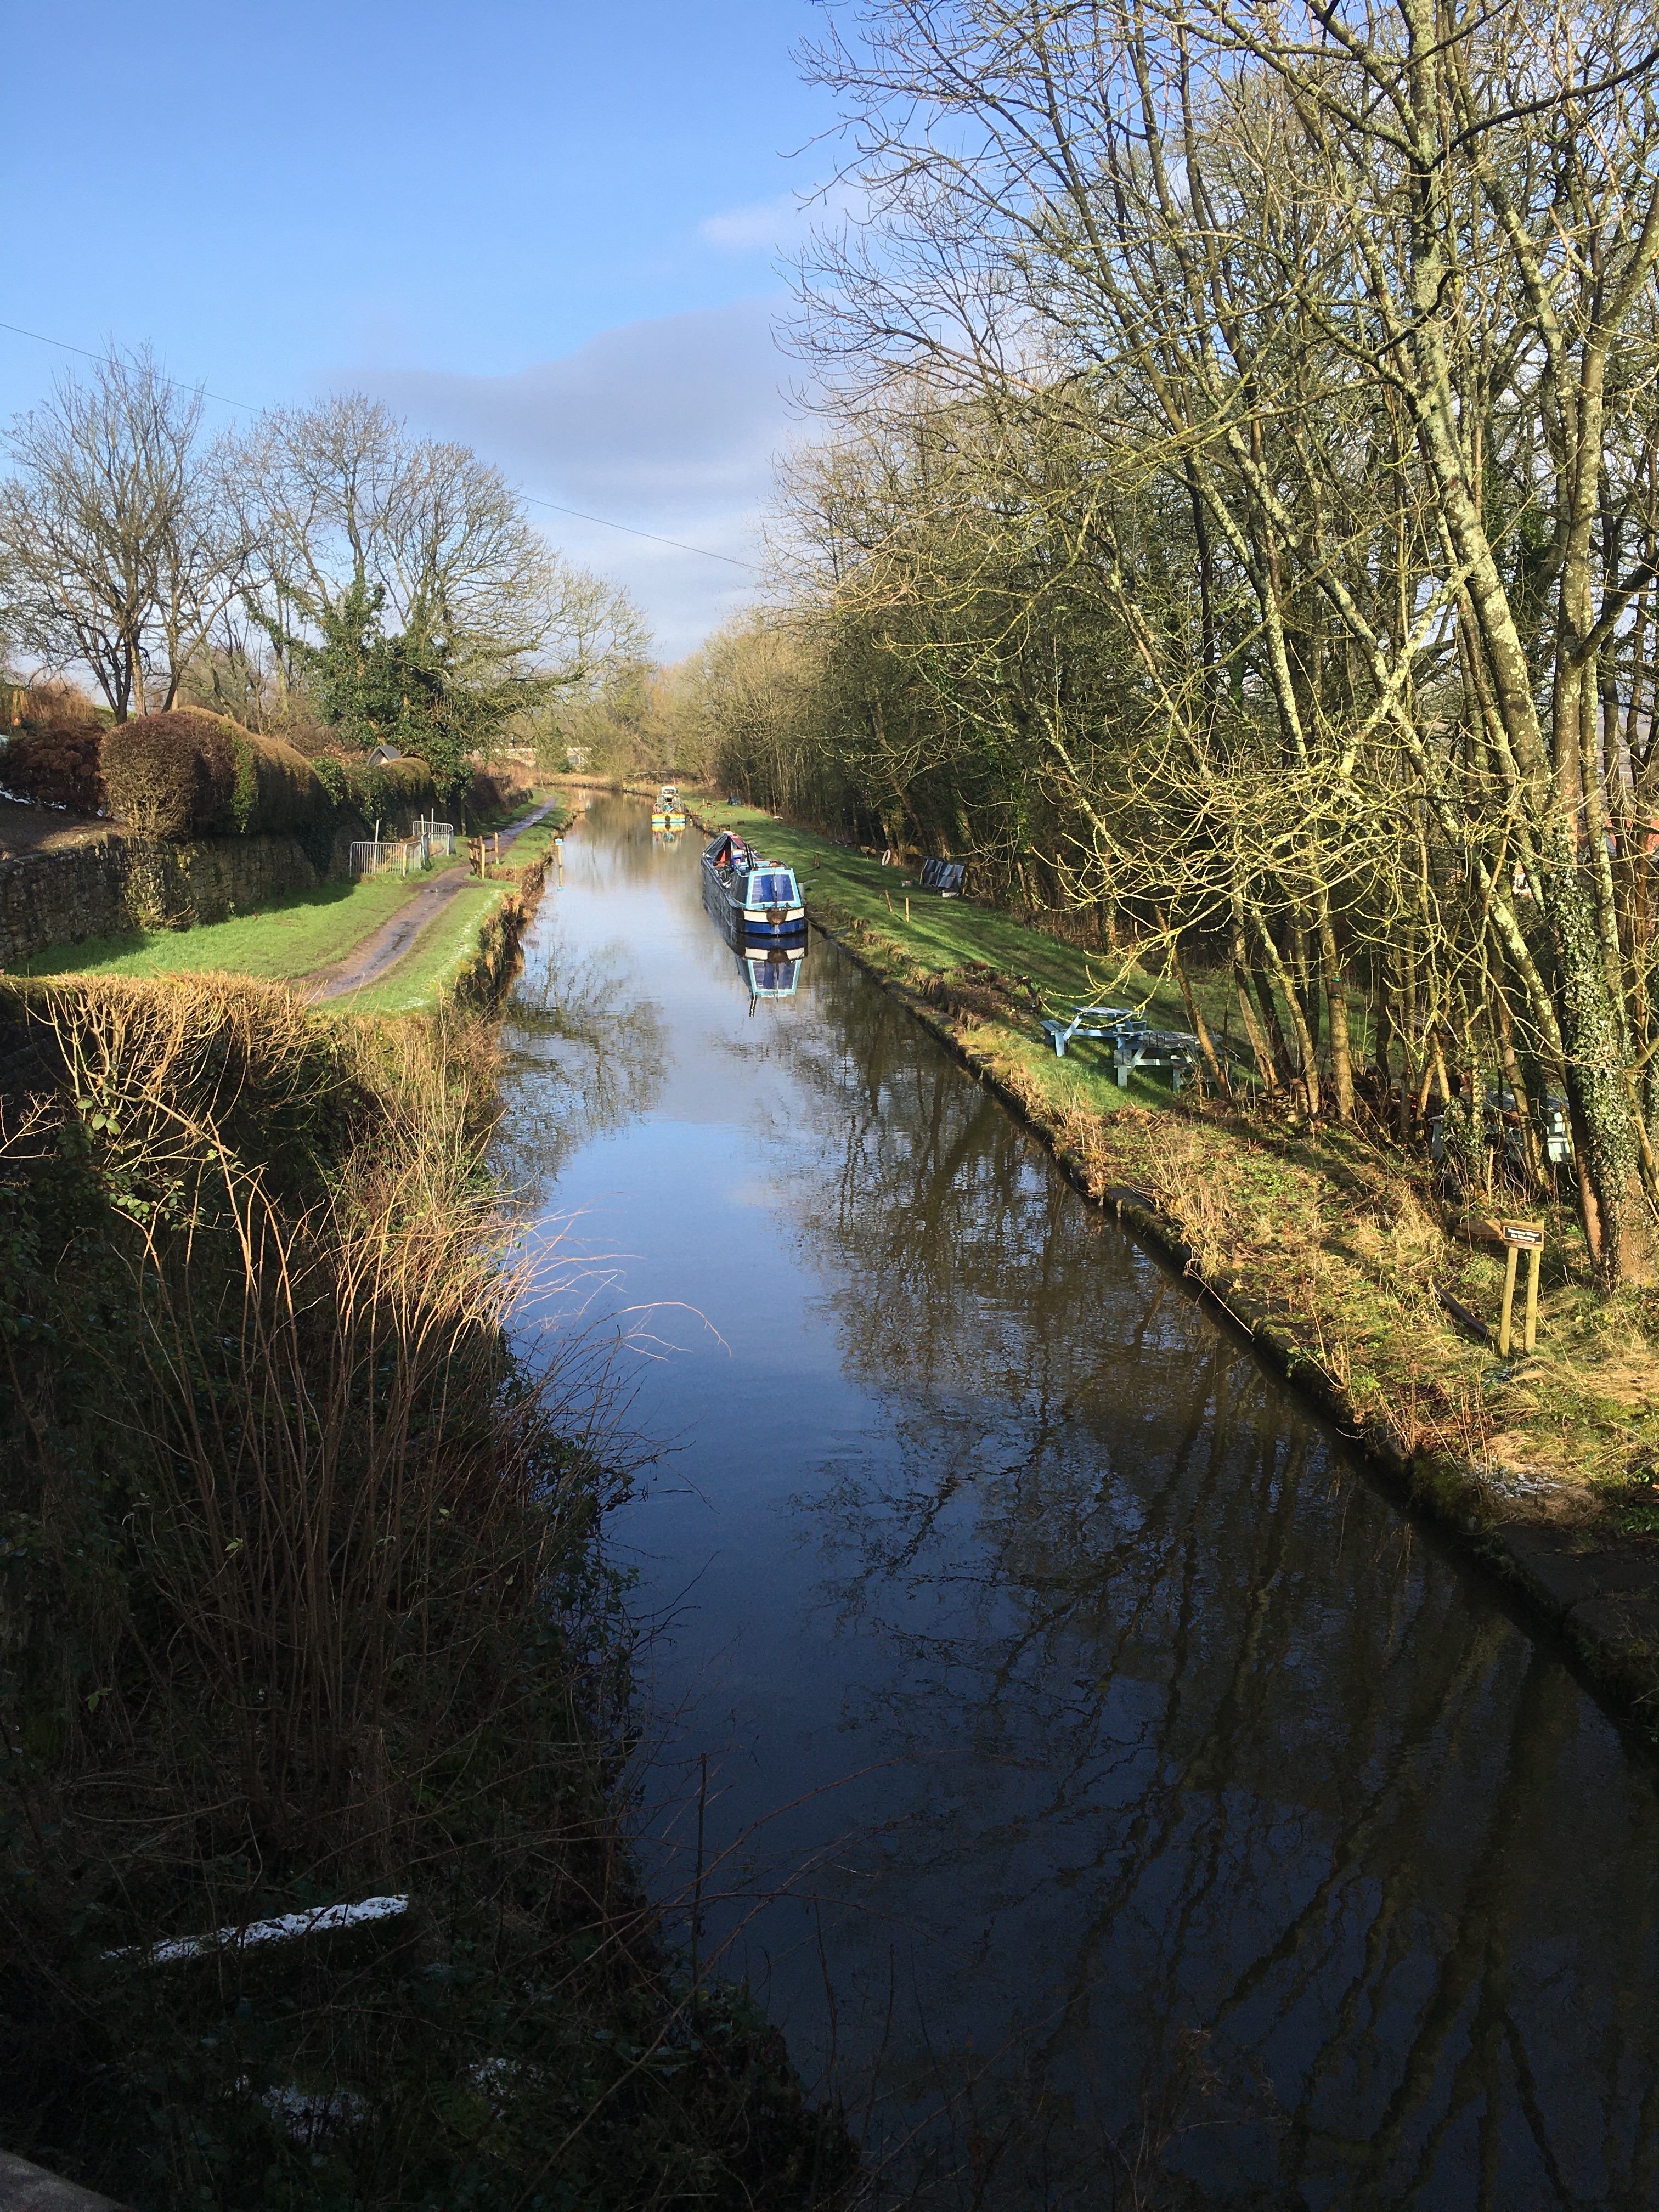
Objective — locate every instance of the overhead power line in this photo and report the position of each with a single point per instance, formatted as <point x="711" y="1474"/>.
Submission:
<point x="605" y="523"/>
<point x="533" y="499"/>
<point x="86" y="353"/>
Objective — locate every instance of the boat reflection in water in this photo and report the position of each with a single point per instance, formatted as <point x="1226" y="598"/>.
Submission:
<point x="771" y="971"/>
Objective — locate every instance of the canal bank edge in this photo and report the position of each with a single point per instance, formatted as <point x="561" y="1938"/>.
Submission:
<point x="1602" y="1595"/>
<point x="482" y="977"/>
<point x="488" y="974"/>
<point x="725" y="2098"/>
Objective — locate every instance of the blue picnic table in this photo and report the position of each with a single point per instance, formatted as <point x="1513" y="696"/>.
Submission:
<point x="1135" y="1044"/>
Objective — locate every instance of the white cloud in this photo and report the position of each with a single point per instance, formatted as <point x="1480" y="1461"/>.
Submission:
<point x="765" y="225"/>
<point x="785" y="224"/>
<point x="669" y="425"/>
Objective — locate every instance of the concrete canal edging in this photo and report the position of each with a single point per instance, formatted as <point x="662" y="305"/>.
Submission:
<point x="25" y="2188"/>
<point x="1602" y="1600"/>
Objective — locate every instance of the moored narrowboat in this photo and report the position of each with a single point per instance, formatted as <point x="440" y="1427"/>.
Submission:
<point x="756" y="900"/>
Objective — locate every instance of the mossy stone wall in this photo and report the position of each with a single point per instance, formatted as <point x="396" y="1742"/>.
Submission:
<point x="118" y="882"/>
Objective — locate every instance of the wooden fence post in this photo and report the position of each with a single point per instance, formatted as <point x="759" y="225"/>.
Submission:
<point x="1520" y="1237"/>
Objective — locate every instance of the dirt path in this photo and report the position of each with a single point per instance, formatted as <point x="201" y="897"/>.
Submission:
<point x="368" y="962"/>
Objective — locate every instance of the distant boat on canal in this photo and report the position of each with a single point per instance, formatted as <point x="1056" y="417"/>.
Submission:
<point x="668" y="814"/>
<point x="757" y="903"/>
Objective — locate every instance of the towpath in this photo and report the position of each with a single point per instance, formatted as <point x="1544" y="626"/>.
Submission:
<point x="368" y="962"/>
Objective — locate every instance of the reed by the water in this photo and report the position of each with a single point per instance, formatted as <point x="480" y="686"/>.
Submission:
<point x="302" y="1600"/>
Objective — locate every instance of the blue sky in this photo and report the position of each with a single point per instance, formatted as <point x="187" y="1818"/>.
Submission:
<point x="550" y="230"/>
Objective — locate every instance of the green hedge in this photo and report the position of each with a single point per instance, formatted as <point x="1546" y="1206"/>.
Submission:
<point x="190" y="774"/>
<point x="193" y="775"/>
<point x="389" y="791"/>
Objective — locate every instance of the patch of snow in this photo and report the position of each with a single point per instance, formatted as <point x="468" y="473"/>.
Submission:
<point x="319" y="1921"/>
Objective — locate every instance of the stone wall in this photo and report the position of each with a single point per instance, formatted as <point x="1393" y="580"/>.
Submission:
<point x="117" y="881"/>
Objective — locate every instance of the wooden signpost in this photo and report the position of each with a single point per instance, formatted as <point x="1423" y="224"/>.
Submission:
<point x="1520" y="1236"/>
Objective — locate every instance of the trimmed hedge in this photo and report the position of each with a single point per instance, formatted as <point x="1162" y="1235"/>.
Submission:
<point x="55" y="764"/>
<point x="493" y="793"/>
<point x="189" y="774"/>
<point x="391" y="792"/>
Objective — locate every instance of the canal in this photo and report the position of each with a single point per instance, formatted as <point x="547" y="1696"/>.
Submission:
<point x="1096" y="1775"/>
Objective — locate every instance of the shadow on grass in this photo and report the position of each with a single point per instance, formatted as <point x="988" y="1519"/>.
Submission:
<point x="95" y="953"/>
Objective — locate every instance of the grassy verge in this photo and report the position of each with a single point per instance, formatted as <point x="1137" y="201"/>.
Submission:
<point x="295" y="937"/>
<point x="470" y="947"/>
<point x="950" y="935"/>
<point x="430" y="971"/>
<point x="288" y="938"/>
<point x="1334" y="1247"/>
<point x="257" y="1664"/>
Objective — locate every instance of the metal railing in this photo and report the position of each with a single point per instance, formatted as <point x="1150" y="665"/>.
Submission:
<point x="397" y="856"/>
<point x="384" y="856"/>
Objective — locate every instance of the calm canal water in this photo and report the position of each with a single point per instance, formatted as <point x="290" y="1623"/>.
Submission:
<point x="1097" y="1763"/>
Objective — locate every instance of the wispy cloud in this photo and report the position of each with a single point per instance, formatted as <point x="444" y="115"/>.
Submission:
<point x="778" y="225"/>
<point x="764" y="226"/>
<point x="670" y="425"/>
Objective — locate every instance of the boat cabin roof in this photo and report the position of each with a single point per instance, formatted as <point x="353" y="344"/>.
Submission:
<point x="729" y="851"/>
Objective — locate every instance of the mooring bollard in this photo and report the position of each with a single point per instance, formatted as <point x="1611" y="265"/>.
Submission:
<point x="1520" y="1236"/>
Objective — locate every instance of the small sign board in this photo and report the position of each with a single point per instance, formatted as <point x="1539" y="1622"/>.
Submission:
<point x="1529" y="1235"/>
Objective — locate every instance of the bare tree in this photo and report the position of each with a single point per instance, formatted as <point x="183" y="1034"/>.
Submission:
<point x="1368" y="292"/>
<point x="372" y="537"/>
<point x="120" y="549"/>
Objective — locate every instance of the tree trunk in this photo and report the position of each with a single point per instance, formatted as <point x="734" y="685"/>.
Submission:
<point x="1336" y="1015"/>
<point x="1259" y="1045"/>
<point x="1309" y="1071"/>
<point x="1201" y="1028"/>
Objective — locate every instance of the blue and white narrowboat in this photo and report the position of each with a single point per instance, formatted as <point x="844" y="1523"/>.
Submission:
<point x="756" y="901"/>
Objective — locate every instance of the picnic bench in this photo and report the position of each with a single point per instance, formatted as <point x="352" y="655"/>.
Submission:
<point x="1135" y="1044"/>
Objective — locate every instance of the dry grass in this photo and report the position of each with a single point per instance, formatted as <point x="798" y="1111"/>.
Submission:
<point x="302" y="1600"/>
<point x="1346" y="1246"/>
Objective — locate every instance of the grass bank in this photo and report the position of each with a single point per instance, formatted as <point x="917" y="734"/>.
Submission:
<point x="287" y="939"/>
<point x="303" y="1603"/>
<point x="1336" y="1250"/>
<point x="303" y="936"/>
<point x="438" y="961"/>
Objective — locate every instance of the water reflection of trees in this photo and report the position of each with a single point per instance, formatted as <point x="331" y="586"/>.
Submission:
<point x="1224" y="1745"/>
<point x="616" y="846"/>
<point x="585" y="1052"/>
